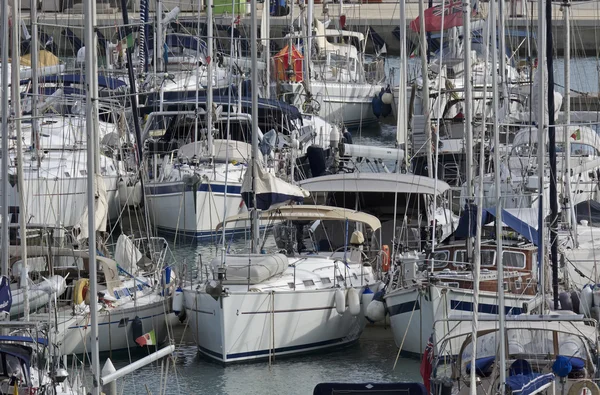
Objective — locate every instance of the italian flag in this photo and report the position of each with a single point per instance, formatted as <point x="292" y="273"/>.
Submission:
<point x="149" y="339"/>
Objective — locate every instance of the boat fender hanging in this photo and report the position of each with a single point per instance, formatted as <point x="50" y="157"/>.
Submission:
<point x="586" y="300"/>
<point x="347" y="136"/>
<point x="178" y="301"/>
<point x="578" y="386"/>
<point x="353" y="302"/>
<point x="365" y="299"/>
<point x="340" y="301"/>
<point x="385" y="258"/>
<point x="375" y="311"/>
<point x="376" y="105"/>
<point x="576" y="302"/>
<point x="137" y="328"/>
<point x="386" y="98"/>
<point x="565" y="301"/>
<point x="80" y="290"/>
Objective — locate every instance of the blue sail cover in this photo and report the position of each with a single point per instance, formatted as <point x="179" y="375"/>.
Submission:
<point x="5" y="295"/>
<point x="467" y="224"/>
<point x="270" y="190"/>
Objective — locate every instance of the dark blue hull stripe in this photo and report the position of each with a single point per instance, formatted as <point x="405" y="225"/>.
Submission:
<point x="259" y="353"/>
<point x="483" y="308"/>
<point x="402" y="308"/>
<point x="181" y="187"/>
<point x="408" y="307"/>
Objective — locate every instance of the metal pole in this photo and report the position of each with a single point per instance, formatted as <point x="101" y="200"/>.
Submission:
<point x="209" y="80"/>
<point x="35" y="126"/>
<point x="254" y="75"/>
<point x="91" y="80"/>
<point x="571" y="219"/>
<point x="498" y="221"/>
<point x="402" y="119"/>
<point x="468" y="112"/>
<point x="16" y="102"/>
<point x="552" y="155"/>
<point x="541" y="146"/>
<point x="425" y="77"/>
<point x="5" y="94"/>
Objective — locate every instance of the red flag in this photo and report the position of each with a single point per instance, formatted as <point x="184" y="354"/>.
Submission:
<point x="453" y="16"/>
<point x="427" y="364"/>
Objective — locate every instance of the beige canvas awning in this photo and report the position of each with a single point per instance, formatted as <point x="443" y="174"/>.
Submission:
<point x="310" y="213"/>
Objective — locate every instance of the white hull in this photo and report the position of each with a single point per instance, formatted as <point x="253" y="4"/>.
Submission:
<point x="347" y="103"/>
<point x="114" y="328"/>
<point x="61" y="201"/>
<point x="245" y="326"/>
<point x="437" y="304"/>
<point x="180" y="209"/>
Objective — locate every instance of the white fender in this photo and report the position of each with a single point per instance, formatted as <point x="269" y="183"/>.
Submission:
<point x="387" y="98"/>
<point x="376" y="311"/>
<point x="122" y="189"/>
<point x="353" y="302"/>
<point x="178" y="301"/>
<point x="340" y="301"/>
<point x="586" y="300"/>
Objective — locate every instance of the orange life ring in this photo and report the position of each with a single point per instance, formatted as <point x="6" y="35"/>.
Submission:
<point x="385" y="258"/>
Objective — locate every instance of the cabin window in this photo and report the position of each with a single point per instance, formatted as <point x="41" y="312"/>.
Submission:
<point x="83" y="172"/>
<point x="488" y="258"/>
<point x="308" y="283"/>
<point x="355" y="276"/>
<point x="103" y="170"/>
<point x="67" y="174"/>
<point x="325" y="280"/>
<point x="460" y="256"/>
<point x="518" y="284"/>
<point x="440" y="258"/>
<point x="340" y="279"/>
<point x="291" y="285"/>
<point x="513" y="259"/>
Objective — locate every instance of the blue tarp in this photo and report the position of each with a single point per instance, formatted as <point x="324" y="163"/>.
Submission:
<point x="103" y="81"/>
<point x="467" y="224"/>
<point x="526" y="384"/>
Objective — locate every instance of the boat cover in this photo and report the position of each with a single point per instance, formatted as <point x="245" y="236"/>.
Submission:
<point x="251" y="268"/>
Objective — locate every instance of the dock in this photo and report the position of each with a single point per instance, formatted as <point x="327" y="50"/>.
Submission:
<point x="521" y="22"/>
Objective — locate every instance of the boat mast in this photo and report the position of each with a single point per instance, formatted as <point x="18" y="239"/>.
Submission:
<point x="209" y="78"/>
<point x="402" y="118"/>
<point x="5" y="234"/>
<point x="309" y="37"/>
<point x="472" y="255"/>
<point x="502" y="42"/>
<point x="570" y="217"/>
<point x="552" y="155"/>
<point x="541" y="147"/>
<point x="479" y="217"/>
<point x="425" y="78"/>
<point x="265" y="35"/>
<point x="16" y="102"/>
<point x="497" y="181"/>
<point x="254" y="76"/>
<point x="468" y="112"/>
<point x="34" y="50"/>
<point x="91" y="82"/>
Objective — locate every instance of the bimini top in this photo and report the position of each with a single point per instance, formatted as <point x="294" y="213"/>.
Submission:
<point x="309" y="212"/>
<point x="375" y="182"/>
<point x="578" y="134"/>
<point x="569" y="324"/>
